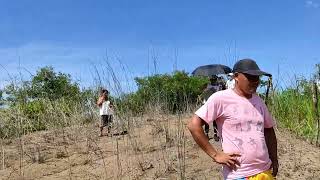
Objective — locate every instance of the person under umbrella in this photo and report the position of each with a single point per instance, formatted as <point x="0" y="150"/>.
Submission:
<point x="216" y="84"/>
<point x="213" y="86"/>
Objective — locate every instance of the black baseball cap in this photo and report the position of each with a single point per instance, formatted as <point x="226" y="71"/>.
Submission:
<point x="248" y="66"/>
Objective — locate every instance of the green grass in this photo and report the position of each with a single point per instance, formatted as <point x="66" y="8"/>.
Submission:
<point x="294" y="110"/>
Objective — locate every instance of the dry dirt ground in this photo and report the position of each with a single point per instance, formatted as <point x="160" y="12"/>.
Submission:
<point x="155" y="147"/>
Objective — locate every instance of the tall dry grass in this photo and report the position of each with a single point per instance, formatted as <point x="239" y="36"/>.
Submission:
<point x="147" y="145"/>
<point x="150" y="142"/>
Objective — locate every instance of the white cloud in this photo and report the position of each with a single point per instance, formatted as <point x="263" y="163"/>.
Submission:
<point x="312" y="4"/>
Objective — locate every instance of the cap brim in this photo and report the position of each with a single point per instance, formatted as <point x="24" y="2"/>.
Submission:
<point x="257" y="73"/>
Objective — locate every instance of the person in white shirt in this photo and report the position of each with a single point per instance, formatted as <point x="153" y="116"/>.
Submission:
<point x="230" y="82"/>
<point x="106" y="111"/>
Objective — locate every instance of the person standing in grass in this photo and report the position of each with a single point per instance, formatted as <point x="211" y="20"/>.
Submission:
<point x="246" y="127"/>
<point x="230" y="82"/>
<point x="106" y="111"/>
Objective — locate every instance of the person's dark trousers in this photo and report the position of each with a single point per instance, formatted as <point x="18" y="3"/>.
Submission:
<point x="215" y="131"/>
<point x="206" y="129"/>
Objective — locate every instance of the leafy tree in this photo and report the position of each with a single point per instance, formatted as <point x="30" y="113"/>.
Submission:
<point x="17" y="93"/>
<point x="46" y="95"/>
<point x="173" y="92"/>
<point x="46" y="84"/>
<point x="31" y="97"/>
<point x="52" y="85"/>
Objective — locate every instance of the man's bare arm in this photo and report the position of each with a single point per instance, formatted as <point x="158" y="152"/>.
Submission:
<point x="100" y="101"/>
<point x="271" y="141"/>
<point x="195" y="127"/>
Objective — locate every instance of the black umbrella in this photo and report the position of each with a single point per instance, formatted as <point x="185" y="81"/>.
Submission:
<point x="212" y="69"/>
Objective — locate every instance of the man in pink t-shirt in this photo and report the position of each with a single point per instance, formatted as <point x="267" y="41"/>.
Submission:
<point x="245" y="125"/>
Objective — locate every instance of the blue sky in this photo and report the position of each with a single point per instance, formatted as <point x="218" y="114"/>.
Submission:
<point x="283" y="36"/>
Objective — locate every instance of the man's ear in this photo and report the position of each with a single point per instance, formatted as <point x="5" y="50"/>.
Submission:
<point x="235" y="76"/>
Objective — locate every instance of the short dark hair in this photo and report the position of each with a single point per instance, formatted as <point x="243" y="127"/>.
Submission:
<point x="104" y="91"/>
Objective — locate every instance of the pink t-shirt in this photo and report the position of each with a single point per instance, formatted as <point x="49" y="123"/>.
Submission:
<point x="241" y="124"/>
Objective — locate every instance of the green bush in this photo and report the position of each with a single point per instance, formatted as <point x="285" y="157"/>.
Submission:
<point x="293" y="108"/>
<point x="49" y="99"/>
<point x="172" y="92"/>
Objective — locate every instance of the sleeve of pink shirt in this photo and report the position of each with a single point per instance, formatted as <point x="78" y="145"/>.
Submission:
<point x="211" y="110"/>
<point x="268" y="120"/>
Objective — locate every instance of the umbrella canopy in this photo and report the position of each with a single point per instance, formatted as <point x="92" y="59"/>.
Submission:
<point x="212" y="69"/>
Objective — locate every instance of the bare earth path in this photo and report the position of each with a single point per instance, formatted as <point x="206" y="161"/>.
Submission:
<point x="155" y="148"/>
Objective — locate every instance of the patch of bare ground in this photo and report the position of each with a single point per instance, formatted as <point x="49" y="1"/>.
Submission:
<point x="153" y="147"/>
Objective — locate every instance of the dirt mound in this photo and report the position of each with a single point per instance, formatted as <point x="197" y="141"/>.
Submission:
<point x="152" y="148"/>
